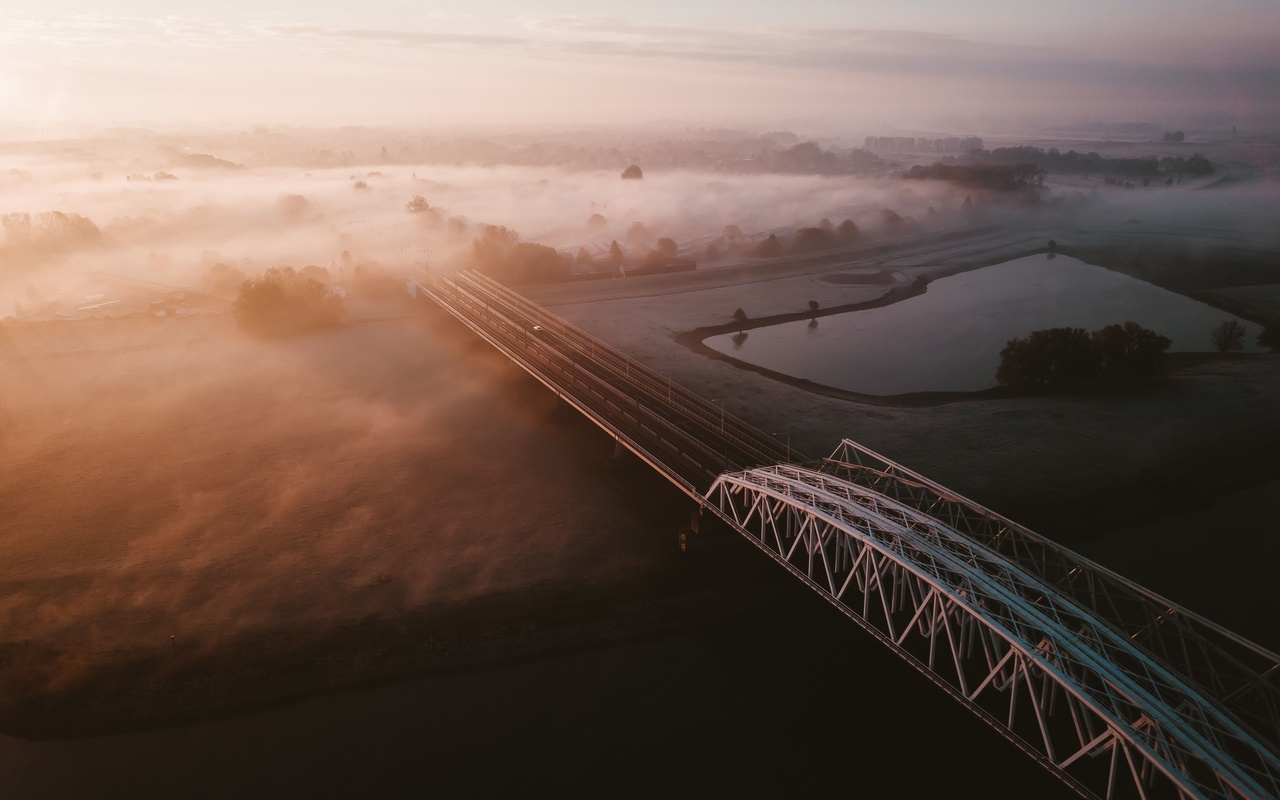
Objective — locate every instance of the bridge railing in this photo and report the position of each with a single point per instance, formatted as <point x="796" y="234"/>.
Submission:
<point x="1048" y="673"/>
<point x="1243" y="675"/>
<point x="686" y="459"/>
<point x="655" y="385"/>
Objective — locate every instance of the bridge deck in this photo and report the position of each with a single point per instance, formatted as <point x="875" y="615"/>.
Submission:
<point x="684" y="436"/>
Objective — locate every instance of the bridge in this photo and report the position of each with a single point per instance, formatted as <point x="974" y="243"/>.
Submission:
<point x="1117" y="691"/>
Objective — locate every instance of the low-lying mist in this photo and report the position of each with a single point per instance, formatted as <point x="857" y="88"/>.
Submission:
<point x="188" y="480"/>
<point x="167" y="213"/>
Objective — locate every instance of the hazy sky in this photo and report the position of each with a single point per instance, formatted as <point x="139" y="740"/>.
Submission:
<point x="918" y="63"/>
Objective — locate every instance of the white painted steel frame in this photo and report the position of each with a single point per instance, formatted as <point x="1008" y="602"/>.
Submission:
<point x="1063" y="684"/>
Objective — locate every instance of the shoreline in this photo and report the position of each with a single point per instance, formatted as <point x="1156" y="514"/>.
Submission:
<point x="695" y="341"/>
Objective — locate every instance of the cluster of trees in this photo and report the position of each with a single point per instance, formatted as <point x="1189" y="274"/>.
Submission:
<point x="1092" y="163"/>
<point x="1173" y="136"/>
<point x="825" y="235"/>
<point x="1069" y="357"/>
<point x="992" y="177"/>
<point x="736" y="151"/>
<point x="499" y="252"/>
<point x="26" y="236"/>
<point x="284" y="302"/>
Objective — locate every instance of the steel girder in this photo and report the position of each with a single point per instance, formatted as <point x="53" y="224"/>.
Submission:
<point x="1053" y="675"/>
<point x="1242" y="677"/>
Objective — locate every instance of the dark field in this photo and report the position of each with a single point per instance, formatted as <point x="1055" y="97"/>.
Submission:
<point x="391" y="506"/>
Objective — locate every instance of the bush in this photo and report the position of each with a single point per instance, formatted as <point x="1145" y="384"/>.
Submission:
<point x="1228" y="336"/>
<point x="632" y="173"/>
<point x="284" y="303"/>
<point x="1270" y="338"/>
<point x="813" y="305"/>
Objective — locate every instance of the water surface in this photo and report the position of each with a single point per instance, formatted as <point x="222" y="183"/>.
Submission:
<point x="950" y="337"/>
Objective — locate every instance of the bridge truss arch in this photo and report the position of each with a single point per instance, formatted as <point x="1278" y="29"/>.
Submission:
<point x="1075" y="689"/>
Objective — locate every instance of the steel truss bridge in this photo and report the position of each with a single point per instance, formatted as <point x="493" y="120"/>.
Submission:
<point x="1117" y="691"/>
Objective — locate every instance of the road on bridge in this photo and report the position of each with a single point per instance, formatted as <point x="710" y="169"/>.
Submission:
<point x="690" y="439"/>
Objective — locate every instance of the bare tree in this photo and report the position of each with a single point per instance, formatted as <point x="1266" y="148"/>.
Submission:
<point x="1228" y="336"/>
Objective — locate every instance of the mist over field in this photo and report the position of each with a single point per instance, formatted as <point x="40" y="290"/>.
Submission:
<point x="166" y="209"/>
<point x="248" y="463"/>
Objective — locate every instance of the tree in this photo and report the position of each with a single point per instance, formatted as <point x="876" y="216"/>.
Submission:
<point x="500" y="253"/>
<point x="848" y="230"/>
<point x="418" y="205"/>
<point x="292" y="206"/>
<point x="1049" y="358"/>
<point x="812" y="239"/>
<point x="284" y="303"/>
<point x="666" y="247"/>
<point x="891" y="219"/>
<point x="632" y="173"/>
<point x="813" y="305"/>
<point x="732" y="232"/>
<point x="597" y="222"/>
<point x="770" y="247"/>
<point x="739" y="315"/>
<point x="615" y="253"/>
<point x="637" y="233"/>
<point x="1228" y="336"/>
<point x="584" y="257"/>
<point x="1128" y="351"/>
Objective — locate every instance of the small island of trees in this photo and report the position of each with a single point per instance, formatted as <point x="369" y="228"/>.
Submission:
<point x="1059" y="358"/>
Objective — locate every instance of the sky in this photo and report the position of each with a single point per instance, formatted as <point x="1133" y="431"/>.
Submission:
<point x="925" y="64"/>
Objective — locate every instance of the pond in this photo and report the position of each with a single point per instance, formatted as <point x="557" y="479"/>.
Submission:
<point x="949" y="338"/>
